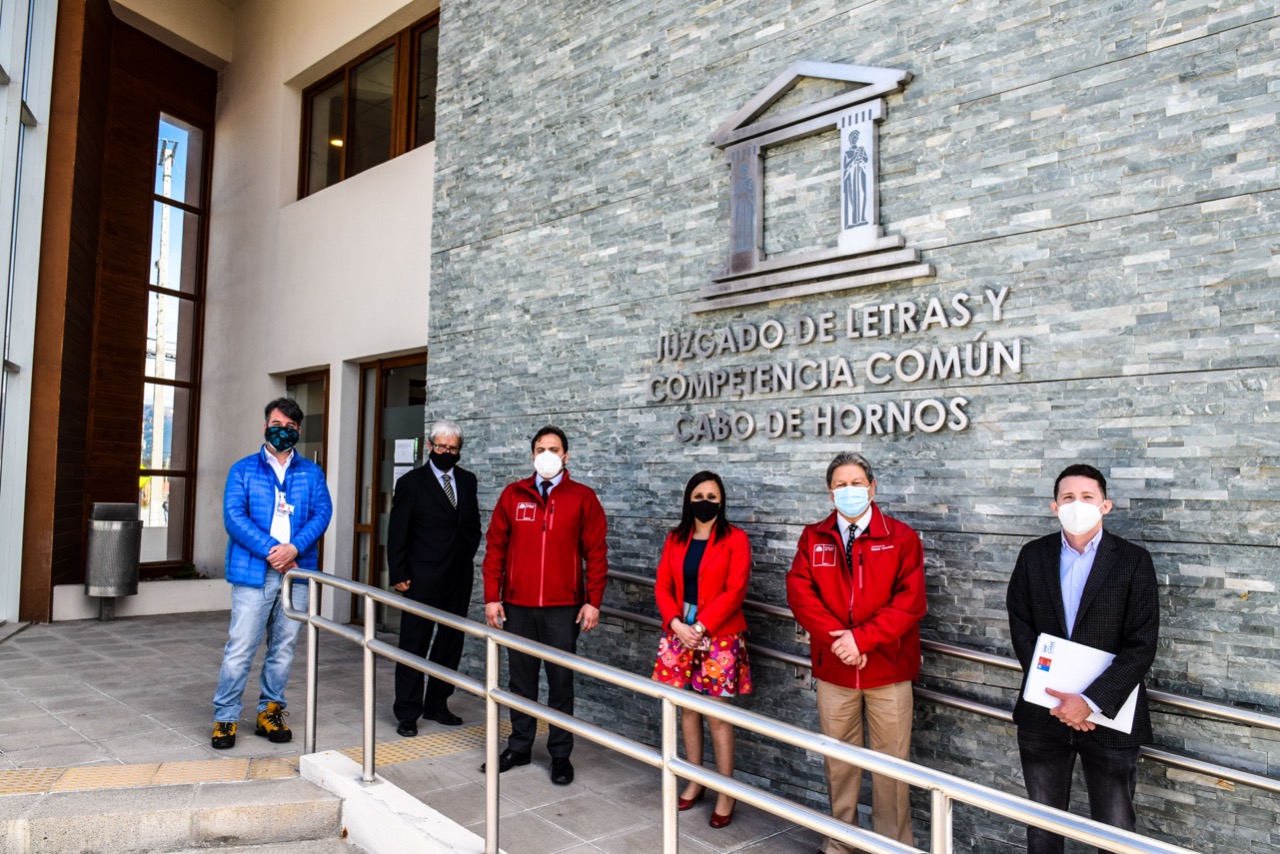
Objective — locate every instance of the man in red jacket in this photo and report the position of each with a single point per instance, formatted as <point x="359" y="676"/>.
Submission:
<point x="856" y="585"/>
<point x="545" y="529"/>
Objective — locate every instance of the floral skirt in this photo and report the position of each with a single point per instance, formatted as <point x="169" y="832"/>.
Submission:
<point x="720" y="670"/>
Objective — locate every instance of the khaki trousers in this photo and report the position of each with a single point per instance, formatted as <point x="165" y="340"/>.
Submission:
<point x="888" y="711"/>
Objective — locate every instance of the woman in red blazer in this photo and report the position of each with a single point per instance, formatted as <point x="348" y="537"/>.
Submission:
<point x="702" y="582"/>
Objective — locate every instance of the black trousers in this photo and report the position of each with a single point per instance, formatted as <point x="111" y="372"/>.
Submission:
<point x="415" y="637"/>
<point x="1110" y="777"/>
<point x="556" y="627"/>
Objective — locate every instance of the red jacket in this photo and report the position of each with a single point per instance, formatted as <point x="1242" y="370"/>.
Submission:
<point x="881" y="597"/>
<point x="535" y="552"/>
<point x="722" y="582"/>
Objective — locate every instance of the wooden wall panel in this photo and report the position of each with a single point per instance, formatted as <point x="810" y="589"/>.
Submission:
<point x="110" y="84"/>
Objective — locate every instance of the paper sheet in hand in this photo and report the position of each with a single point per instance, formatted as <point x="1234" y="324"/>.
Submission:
<point x="1064" y="665"/>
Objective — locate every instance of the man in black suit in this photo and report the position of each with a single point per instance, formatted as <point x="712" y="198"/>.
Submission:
<point x="1094" y="588"/>
<point x="432" y="539"/>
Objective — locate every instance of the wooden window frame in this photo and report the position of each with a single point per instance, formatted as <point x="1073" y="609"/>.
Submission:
<point x="404" y="101"/>
<point x="196" y="297"/>
<point x="370" y="527"/>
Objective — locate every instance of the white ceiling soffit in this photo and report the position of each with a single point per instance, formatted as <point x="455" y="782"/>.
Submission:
<point x="200" y="29"/>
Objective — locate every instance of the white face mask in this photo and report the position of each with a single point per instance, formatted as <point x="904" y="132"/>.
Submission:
<point x="547" y="464"/>
<point x="1079" y="517"/>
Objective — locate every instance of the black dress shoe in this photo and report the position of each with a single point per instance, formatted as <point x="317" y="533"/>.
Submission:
<point x="561" y="771"/>
<point x="408" y="729"/>
<point x="443" y="716"/>
<point x="509" y="759"/>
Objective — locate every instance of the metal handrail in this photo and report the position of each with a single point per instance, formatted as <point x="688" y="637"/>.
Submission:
<point x="945" y="789"/>
<point x="1218" y="711"/>
<point x="1167" y="757"/>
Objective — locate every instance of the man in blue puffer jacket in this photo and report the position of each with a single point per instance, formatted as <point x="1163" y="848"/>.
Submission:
<point x="276" y="508"/>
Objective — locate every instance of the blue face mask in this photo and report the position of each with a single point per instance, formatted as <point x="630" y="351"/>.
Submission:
<point x="281" y="438"/>
<point x="852" y="501"/>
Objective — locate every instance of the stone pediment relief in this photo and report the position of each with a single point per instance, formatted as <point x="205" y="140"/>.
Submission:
<point x="863" y="255"/>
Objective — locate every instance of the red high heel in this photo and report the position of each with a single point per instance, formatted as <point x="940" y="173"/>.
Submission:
<point x="718" y="821"/>
<point x="687" y="803"/>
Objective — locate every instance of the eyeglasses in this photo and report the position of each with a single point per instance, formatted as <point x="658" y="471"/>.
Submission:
<point x="446" y="449"/>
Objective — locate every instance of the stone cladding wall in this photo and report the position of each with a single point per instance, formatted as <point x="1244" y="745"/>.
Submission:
<point x="1114" y="165"/>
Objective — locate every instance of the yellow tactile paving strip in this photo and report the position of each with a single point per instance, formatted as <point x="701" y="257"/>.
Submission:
<point x="35" y="781"/>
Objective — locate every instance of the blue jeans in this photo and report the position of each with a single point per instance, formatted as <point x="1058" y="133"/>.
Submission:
<point x="255" y="612"/>
<point x="1110" y="776"/>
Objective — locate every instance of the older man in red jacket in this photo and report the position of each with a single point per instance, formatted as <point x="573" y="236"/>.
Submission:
<point x="856" y="585"/>
<point x="544" y="570"/>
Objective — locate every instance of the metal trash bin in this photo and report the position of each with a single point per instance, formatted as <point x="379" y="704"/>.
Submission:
<point x="113" y="552"/>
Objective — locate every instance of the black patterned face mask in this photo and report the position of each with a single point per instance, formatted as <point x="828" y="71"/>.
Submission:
<point x="281" y="438"/>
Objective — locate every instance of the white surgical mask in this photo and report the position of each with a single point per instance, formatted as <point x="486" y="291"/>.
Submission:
<point x="547" y="464"/>
<point x="1079" y="517"/>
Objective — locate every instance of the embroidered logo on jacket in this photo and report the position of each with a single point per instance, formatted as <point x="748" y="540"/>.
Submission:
<point x="526" y="511"/>
<point x="824" y="555"/>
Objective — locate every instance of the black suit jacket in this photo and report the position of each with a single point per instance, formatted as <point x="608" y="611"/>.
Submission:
<point x="1119" y="613"/>
<point x="429" y="542"/>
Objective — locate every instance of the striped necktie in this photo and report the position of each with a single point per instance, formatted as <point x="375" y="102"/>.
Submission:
<point x="448" y="490"/>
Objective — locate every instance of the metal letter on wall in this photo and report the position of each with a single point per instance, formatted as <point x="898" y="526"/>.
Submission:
<point x="863" y="255"/>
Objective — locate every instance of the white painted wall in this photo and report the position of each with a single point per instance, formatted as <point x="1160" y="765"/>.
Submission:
<point x="329" y="281"/>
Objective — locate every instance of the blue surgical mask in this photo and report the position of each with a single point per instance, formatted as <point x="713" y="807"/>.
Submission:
<point x="852" y="501"/>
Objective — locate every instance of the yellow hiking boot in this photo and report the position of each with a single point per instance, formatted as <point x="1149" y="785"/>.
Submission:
<point x="271" y="723"/>
<point x="224" y="735"/>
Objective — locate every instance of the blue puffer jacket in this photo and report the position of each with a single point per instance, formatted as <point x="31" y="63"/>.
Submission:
<point x="249" y="504"/>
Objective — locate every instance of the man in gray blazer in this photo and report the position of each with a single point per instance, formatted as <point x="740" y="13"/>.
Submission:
<point x="1094" y="588"/>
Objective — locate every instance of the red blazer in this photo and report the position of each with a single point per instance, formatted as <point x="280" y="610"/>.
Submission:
<point x="540" y="555"/>
<point x="722" y="582"/>
<point x="881" y="598"/>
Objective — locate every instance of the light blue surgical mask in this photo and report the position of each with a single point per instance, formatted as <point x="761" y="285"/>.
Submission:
<point x="852" y="501"/>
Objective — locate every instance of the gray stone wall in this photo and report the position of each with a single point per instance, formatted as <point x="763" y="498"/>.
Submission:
<point x="1113" y="165"/>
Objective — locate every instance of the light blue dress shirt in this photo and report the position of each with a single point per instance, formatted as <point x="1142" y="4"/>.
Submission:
<point x="555" y="481"/>
<point x="1073" y="571"/>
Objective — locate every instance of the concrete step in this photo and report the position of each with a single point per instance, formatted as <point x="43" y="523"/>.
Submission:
<point x="308" y="846"/>
<point x="169" y="818"/>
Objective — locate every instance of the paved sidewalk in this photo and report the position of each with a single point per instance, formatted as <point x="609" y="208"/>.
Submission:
<point x="128" y="702"/>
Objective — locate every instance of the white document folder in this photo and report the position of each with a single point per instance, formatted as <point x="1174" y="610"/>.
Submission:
<point x="1071" y="667"/>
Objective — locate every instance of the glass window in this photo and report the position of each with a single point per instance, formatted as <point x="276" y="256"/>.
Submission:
<point x="327" y="138"/>
<point x="179" y="146"/>
<point x="174" y="299"/>
<point x="175" y="235"/>
<point x="170" y="336"/>
<point x="425" y="91"/>
<point x="162" y="502"/>
<point x="377" y="107"/>
<point x="373" y="84"/>
<point x="165" y="414"/>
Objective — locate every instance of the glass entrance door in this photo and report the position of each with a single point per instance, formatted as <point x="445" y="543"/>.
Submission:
<point x="311" y="391"/>
<point x="393" y="401"/>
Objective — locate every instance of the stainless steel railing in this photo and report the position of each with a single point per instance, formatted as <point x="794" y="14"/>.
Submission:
<point x="1166" y="757"/>
<point x="945" y="790"/>
<point x="1217" y="711"/>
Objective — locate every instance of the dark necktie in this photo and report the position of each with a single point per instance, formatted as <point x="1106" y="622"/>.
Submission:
<point x="848" y="546"/>
<point x="546" y="487"/>
<point x="448" y="490"/>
